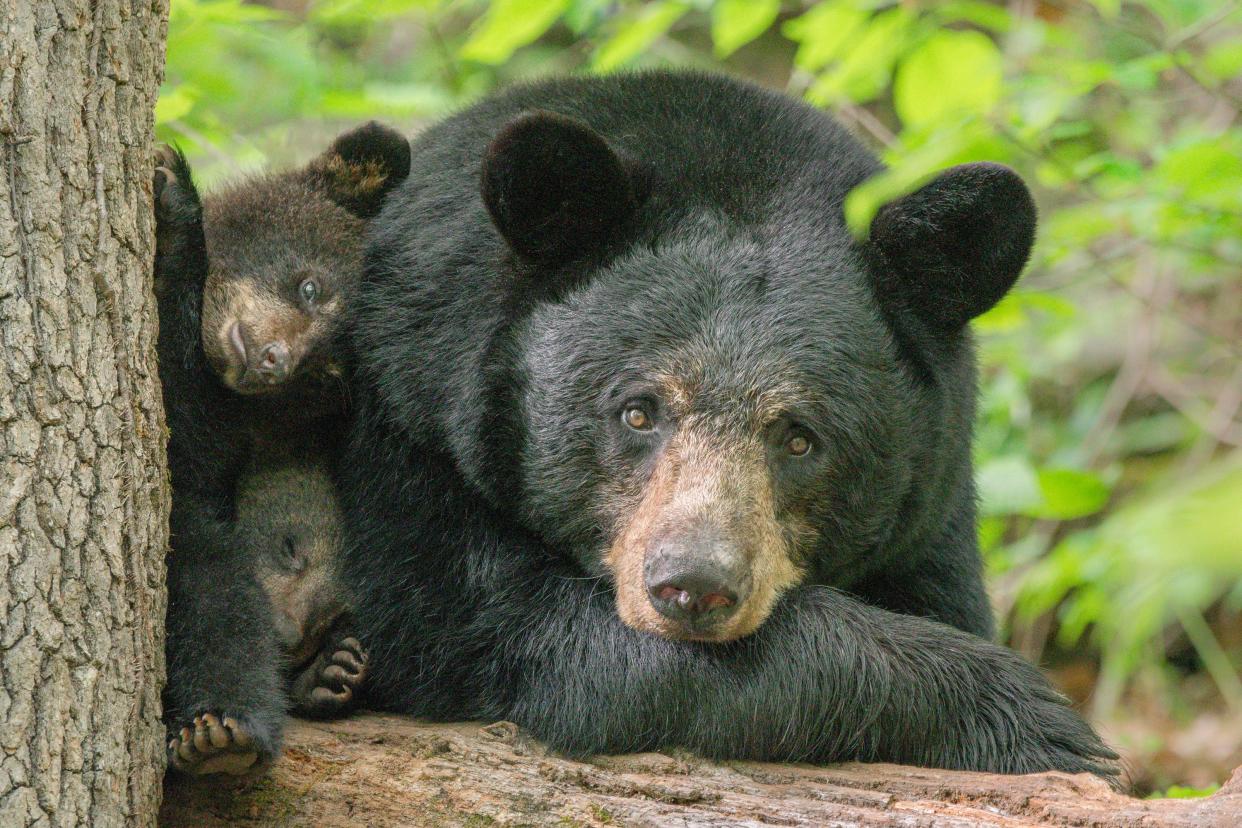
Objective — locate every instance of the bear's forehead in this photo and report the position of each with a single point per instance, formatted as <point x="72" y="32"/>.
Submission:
<point x="278" y="219"/>
<point x="741" y="331"/>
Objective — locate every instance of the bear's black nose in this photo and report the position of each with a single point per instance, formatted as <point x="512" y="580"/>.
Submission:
<point x="273" y="361"/>
<point x="697" y="597"/>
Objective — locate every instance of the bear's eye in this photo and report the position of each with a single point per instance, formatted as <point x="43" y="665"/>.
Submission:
<point x="798" y="445"/>
<point x="291" y="558"/>
<point x="636" y="417"/>
<point x="309" y="291"/>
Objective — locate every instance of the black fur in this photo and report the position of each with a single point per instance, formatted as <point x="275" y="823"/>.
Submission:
<point x="956" y="246"/>
<point x="224" y="655"/>
<point x="485" y="438"/>
<point x="554" y="188"/>
<point x="287" y="510"/>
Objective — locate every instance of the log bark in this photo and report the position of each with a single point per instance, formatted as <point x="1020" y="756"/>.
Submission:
<point x="83" y="489"/>
<point x="380" y="771"/>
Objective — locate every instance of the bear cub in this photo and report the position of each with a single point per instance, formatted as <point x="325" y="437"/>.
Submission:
<point x="287" y="510"/>
<point x="251" y="283"/>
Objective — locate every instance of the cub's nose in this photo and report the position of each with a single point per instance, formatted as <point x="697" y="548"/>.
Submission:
<point x="272" y="361"/>
<point x="697" y="597"/>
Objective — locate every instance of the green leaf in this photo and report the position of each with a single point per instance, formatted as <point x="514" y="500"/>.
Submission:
<point x="1012" y="311"/>
<point x="956" y="143"/>
<point x="982" y="14"/>
<point x="1224" y="60"/>
<point x="342" y="12"/>
<point x="1208" y="171"/>
<point x="866" y="65"/>
<point x="952" y="73"/>
<point x="823" y="33"/>
<point x="636" y="34"/>
<point x="510" y="25"/>
<point x="1067" y="494"/>
<point x="1108" y="9"/>
<point x="737" y="22"/>
<point x="174" y="104"/>
<point x="1184" y="792"/>
<point x="1008" y="486"/>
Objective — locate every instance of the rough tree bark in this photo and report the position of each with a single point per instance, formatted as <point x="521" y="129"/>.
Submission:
<point x="386" y="771"/>
<point x="83" y="488"/>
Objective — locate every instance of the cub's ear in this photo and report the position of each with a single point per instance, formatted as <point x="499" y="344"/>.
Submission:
<point x="362" y="166"/>
<point x="952" y="249"/>
<point x="554" y="188"/>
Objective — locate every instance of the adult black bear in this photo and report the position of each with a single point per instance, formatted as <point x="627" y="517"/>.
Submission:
<point x="250" y="287"/>
<point x="649" y="452"/>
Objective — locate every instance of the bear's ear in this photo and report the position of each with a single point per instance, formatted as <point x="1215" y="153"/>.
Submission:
<point x="362" y="166"/>
<point x="952" y="249"/>
<point x="554" y="188"/>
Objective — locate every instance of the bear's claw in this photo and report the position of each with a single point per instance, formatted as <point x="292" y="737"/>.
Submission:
<point x="329" y="685"/>
<point x="214" y="744"/>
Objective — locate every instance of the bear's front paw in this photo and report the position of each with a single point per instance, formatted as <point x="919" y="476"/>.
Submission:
<point x="1065" y="742"/>
<point x="330" y="684"/>
<point x="215" y="743"/>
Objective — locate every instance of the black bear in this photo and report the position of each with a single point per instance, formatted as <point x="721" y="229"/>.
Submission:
<point x="251" y="285"/>
<point x="288" y="511"/>
<point x="648" y="451"/>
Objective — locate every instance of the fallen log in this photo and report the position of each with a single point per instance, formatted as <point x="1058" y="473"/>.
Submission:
<point x="378" y="771"/>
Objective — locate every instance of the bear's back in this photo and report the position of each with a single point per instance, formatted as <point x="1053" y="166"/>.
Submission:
<point x="699" y="140"/>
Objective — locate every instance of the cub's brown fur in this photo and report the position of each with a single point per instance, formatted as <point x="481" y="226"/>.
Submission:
<point x="287" y="509"/>
<point x="251" y="284"/>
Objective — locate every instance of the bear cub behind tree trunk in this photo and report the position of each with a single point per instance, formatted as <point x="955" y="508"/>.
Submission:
<point x="251" y="284"/>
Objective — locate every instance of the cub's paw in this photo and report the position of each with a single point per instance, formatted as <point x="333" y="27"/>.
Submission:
<point x="330" y="684"/>
<point x="176" y="200"/>
<point x="217" y="744"/>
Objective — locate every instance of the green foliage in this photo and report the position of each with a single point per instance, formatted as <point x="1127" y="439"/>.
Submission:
<point x="1183" y="792"/>
<point x="1108" y="440"/>
<point x="635" y="31"/>
<point x="508" y="25"/>
<point x="737" y="22"/>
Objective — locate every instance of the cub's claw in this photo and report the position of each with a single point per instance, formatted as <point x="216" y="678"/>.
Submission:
<point x="214" y="744"/>
<point x="330" y="684"/>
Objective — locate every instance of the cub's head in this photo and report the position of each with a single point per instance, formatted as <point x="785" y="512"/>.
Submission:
<point x="284" y="253"/>
<point x="711" y="412"/>
<point x="288" y="511"/>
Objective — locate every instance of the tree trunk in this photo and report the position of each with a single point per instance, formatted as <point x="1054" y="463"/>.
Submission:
<point x="382" y="771"/>
<point x="83" y="488"/>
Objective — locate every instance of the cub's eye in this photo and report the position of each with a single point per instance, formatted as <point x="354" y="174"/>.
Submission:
<point x="798" y="445"/>
<point x="309" y="291"/>
<point x="291" y="558"/>
<point x="636" y="417"/>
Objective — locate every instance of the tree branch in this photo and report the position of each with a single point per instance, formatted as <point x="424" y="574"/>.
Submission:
<point x="378" y="771"/>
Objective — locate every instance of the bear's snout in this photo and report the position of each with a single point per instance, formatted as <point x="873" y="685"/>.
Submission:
<point x="696" y="580"/>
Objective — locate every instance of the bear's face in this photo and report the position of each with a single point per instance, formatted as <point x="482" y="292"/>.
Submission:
<point x="274" y="291"/>
<point x="284" y="253"/>
<point x="723" y="413"/>
<point x="709" y="413"/>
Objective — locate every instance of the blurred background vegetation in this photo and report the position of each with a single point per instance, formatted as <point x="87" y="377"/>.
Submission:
<point x="1110" y="434"/>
